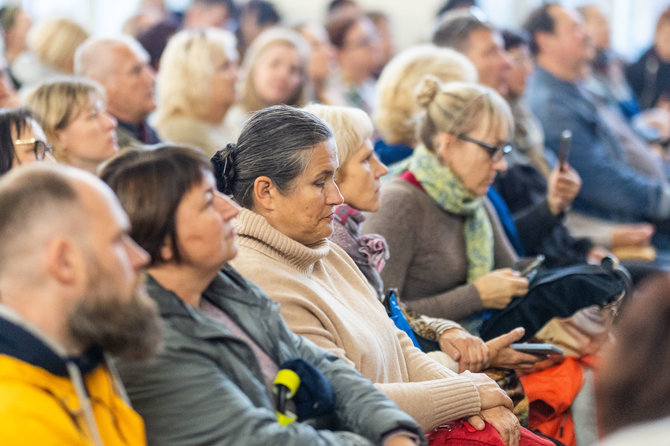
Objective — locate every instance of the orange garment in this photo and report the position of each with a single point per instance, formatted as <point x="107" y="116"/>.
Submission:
<point x="551" y="393"/>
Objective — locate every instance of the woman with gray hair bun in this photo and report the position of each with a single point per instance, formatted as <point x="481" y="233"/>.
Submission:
<point x="282" y="171"/>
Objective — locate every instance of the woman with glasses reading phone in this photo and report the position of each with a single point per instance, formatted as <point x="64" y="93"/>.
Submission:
<point x="22" y="139"/>
<point x="450" y="256"/>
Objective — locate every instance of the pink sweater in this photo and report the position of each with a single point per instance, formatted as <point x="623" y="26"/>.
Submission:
<point x="325" y="298"/>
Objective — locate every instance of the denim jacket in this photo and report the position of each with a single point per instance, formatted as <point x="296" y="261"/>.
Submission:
<point x="611" y="189"/>
<point x="206" y="386"/>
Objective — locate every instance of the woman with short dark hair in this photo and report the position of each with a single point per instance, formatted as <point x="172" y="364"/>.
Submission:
<point x="22" y="139"/>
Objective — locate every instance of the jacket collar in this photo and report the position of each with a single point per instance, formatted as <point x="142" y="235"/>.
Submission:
<point x="24" y="341"/>
<point x="229" y="291"/>
<point x="255" y="232"/>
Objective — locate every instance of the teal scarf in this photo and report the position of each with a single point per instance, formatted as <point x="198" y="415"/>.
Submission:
<point x="446" y="190"/>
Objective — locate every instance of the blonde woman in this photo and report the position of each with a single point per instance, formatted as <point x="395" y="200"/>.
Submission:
<point x="52" y="43"/>
<point x="196" y="87"/>
<point x="274" y="72"/>
<point x="396" y="104"/>
<point x="75" y="121"/>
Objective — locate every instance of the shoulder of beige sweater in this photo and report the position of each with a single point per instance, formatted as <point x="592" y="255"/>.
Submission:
<point x="340" y="258"/>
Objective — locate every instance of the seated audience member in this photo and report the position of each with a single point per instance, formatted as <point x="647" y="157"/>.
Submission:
<point x="358" y="179"/>
<point x="612" y="189"/>
<point x="255" y="17"/>
<point x="632" y="385"/>
<point x="524" y="186"/>
<point x="396" y="103"/>
<point x="195" y="88"/>
<point x="650" y="75"/>
<point x="69" y="279"/>
<point x="22" y="139"/>
<point x="358" y="54"/>
<point x="288" y="196"/>
<point x="210" y="14"/>
<point x="122" y="67"/>
<point x="15" y="23"/>
<point x="199" y="14"/>
<point x="274" y="71"/>
<point x="225" y="340"/>
<point x="52" y="43"/>
<point x="321" y="60"/>
<point x="640" y="134"/>
<point x="536" y="206"/>
<point x="477" y="40"/>
<point x="450" y="256"/>
<point x="75" y="120"/>
<point x="386" y="43"/>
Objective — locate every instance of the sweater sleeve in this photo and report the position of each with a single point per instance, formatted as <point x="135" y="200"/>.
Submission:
<point x="435" y="394"/>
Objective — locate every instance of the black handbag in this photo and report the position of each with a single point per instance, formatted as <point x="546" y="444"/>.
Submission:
<point x="559" y="292"/>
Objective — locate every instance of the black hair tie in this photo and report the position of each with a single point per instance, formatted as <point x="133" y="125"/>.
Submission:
<point x="224" y="168"/>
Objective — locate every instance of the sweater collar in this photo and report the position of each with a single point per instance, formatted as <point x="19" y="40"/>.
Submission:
<point x="255" y="232"/>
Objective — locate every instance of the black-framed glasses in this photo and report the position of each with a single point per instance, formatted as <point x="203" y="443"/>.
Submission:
<point x="40" y="148"/>
<point x="496" y="153"/>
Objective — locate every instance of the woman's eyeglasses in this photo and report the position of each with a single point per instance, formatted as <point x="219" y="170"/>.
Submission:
<point x="40" y="148"/>
<point x="496" y="153"/>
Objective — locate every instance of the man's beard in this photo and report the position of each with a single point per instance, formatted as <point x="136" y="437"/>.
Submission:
<point x="130" y="328"/>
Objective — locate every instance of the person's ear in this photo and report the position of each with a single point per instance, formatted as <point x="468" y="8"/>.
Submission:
<point x="64" y="261"/>
<point x="166" y="250"/>
<point x="542" y="39"/>
<point x="265" y="192"/>
<point x="441" y="144"/>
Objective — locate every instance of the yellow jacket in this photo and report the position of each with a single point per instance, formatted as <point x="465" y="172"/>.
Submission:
<point x="40" y="407"/>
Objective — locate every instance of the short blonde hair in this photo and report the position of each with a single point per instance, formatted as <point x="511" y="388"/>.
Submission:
<point x="394" y="116"/>
<point x="55" y="40"/>
<point x="60" y="101"/>
<point x="187" y="67"/>
<point x="351" y="127"/>
<point x="459" y="108"/>
<point x="250" y="99"/>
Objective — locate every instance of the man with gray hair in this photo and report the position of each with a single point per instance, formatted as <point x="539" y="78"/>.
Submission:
<point x="69" y="294"/>
<point x="122" y="67"/>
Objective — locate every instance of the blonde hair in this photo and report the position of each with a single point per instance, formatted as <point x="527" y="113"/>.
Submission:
<point x="250" y="99"/>
<point x="459" y="108"/>
<point x="60" y="101"/>
<point x="351" y="128"/>
<point x="55" y="40"/>
<point x="394" y="116"/>
<point x="187" y="66"/>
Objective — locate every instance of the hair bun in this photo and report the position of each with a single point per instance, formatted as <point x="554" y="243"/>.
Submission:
<point x="224" y="168"/>
<point x="427" y="90"/>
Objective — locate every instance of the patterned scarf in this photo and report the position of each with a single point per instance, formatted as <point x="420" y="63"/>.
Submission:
<point x="446" y="190"/>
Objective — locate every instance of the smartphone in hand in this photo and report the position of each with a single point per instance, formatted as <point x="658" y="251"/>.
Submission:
<point x="537" y="349"/>
<point x="564" y="149"/>
<point x="527" y="267"/>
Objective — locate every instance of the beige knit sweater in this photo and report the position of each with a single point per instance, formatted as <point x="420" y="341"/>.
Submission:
<point x="325" y="298"/>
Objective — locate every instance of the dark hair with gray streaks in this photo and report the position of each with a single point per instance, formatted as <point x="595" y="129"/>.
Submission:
<point x="275" y="142"/>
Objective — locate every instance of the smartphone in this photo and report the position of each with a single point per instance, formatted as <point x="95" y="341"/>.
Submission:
<point x="564" y="149"/>
<point x="538" y="349"/>
<point x="526" y="267"/>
